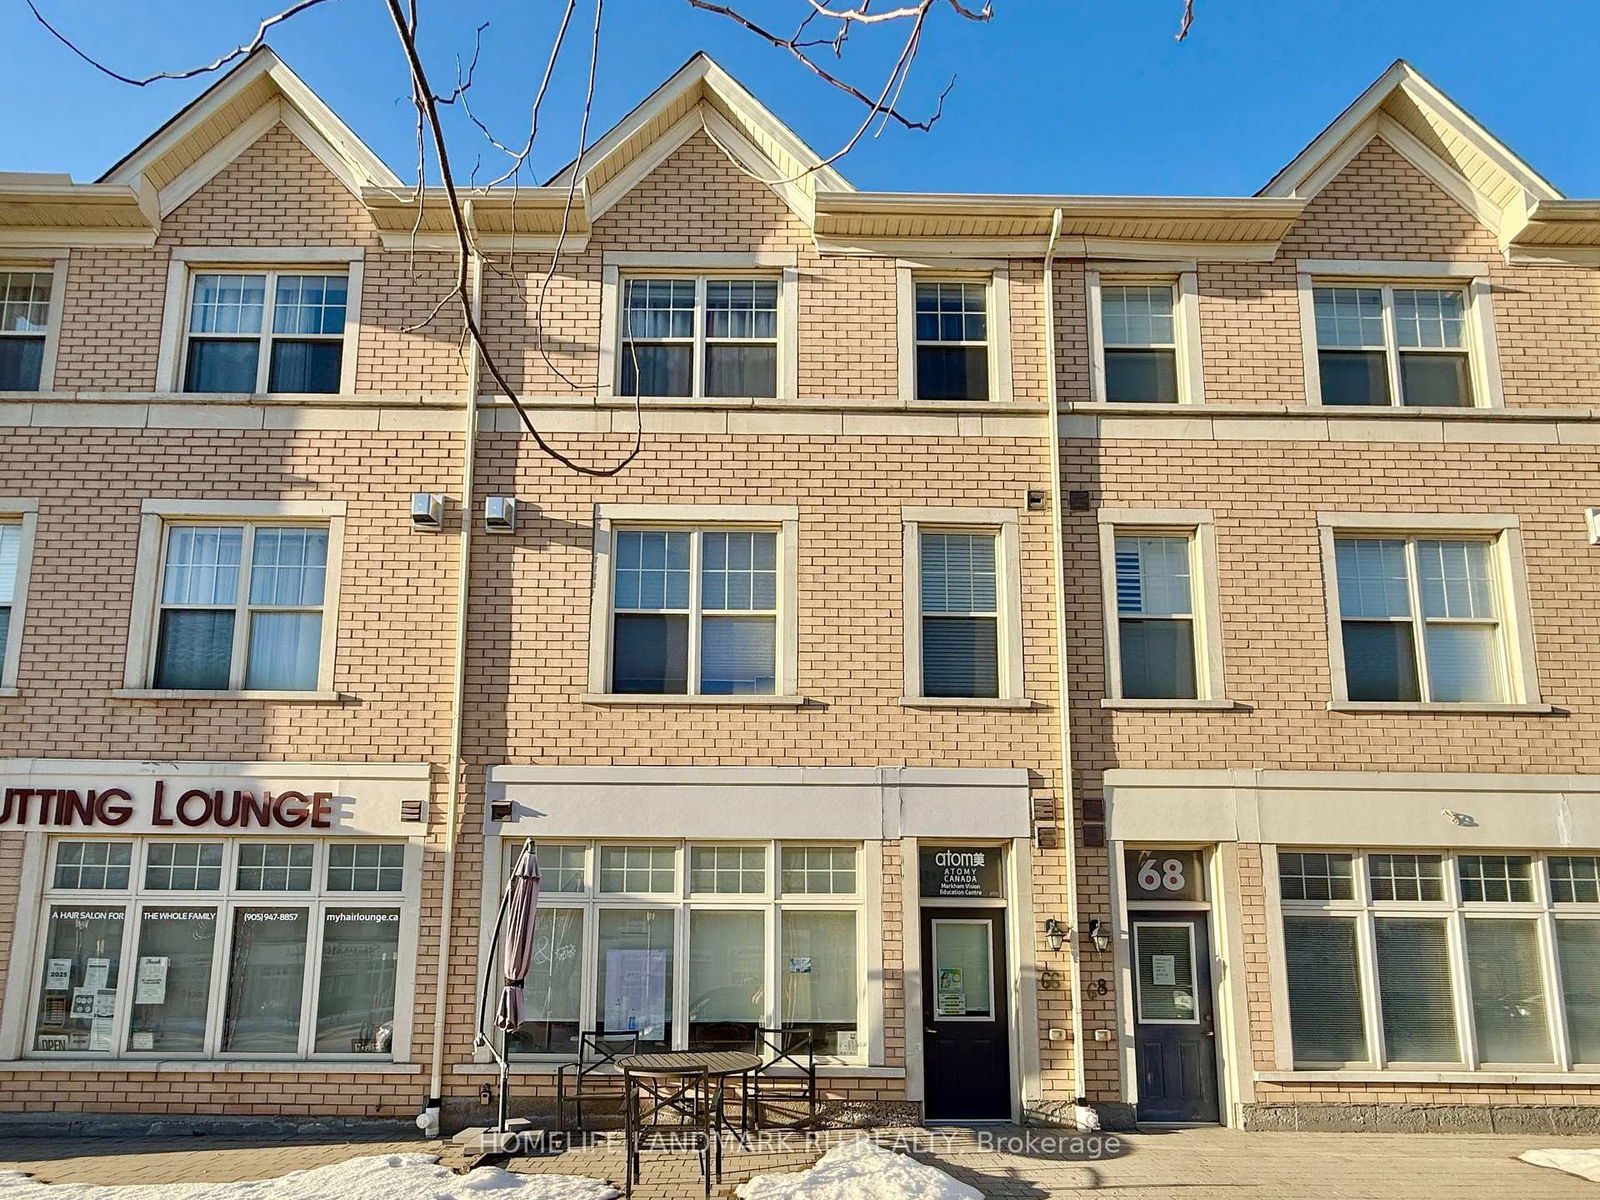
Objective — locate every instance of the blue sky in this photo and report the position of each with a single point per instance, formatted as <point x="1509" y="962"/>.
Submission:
<point x="1071" y="96"/>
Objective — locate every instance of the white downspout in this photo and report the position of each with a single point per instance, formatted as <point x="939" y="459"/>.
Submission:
<point x="428" y="1120"/>
<point x="1058" y="572"/>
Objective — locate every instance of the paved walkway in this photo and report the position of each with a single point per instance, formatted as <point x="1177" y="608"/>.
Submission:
<point x="1192" y="1164"/>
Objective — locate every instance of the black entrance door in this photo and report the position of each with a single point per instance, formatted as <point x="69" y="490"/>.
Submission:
<point x="1174" y="1033"/>
<point x="966" y="1043"/>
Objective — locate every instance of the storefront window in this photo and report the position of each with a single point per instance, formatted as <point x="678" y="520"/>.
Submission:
<point x="636" y="974"/>
<point x="172" y="980"/>
<point x="229" y="966"/>
<point x="769" y="936"/>
<point x="727" y="978"/>
<point x="819" y="978"/>
<point x="266" y="976"/>
<point x="82" y="967"/>
<point x="1448" y="960"/>
<point x="551" y="993"/>
<point x="355" y="991"/>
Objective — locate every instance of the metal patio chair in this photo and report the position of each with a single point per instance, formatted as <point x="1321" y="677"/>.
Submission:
<point x="783" y="1089"/>
<point x="592" y="1077"/>
<point x="672" y="1108"/>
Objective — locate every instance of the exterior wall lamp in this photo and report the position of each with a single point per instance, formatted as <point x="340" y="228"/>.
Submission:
<point x="1099" y="936"/>
<point x="1054" y="934"/>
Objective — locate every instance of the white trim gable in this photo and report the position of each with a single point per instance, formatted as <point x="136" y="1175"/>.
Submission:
<point x="730" y="116"/>
<point x="1370" y="117"/>
<point x="296" y="106"/>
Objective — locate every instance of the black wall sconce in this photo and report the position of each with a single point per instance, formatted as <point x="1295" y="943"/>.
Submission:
<point x="1054" y="934"/>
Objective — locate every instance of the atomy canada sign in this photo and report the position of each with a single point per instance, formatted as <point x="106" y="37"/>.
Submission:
<point x="959" y="872"/>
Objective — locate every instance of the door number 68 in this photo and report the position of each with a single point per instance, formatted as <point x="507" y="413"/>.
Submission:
<point x="1157" y="876"/>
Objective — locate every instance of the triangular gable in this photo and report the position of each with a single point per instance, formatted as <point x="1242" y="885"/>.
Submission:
<point x="700" y="95"/>
<point x="1436" y="136"/>
<point x="230" y="116"/>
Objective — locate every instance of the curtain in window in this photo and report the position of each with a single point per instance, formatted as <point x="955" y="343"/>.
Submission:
<point x="551" y="990"/>
<point x="817" y="974"/>
<point x="727" y="978"/>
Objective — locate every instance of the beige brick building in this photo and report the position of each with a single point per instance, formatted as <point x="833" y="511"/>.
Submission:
<point x="1296" y="487"/>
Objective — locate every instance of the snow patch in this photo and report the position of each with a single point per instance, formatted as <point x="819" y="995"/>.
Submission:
<point x="391" y="1176"/>
<point x="860" y="1170"/>
<point x="1583" y="1163"/>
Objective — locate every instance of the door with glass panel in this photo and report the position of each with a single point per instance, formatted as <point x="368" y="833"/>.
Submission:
<point x="1174" y="1028"/>
<point x="966" y="1043"/>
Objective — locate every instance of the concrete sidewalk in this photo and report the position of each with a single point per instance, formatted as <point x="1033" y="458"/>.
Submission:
<point x="1003" y="1161"/>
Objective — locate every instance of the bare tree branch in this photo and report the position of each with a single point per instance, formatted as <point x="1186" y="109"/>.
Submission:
<point x="237" y="52"/>
<point x="1188" y="19"/>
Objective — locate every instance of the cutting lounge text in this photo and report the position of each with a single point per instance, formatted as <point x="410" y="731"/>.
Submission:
<point x="194" y="808"/>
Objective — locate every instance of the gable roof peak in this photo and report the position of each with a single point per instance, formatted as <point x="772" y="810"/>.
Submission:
<point x="1439" y="137"/>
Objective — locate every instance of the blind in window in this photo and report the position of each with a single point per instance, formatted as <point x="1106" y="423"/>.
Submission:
<point x="1324" y="990"/>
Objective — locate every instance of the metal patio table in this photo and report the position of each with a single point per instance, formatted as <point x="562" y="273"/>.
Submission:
<point x="718" y="1064"/>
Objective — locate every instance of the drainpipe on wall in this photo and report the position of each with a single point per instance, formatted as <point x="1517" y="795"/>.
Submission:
<point x="428" y="1120"/>
<point x="1084" y="1115"/>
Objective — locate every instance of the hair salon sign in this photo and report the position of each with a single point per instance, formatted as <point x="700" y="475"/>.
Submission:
<point x="165" y="806"/>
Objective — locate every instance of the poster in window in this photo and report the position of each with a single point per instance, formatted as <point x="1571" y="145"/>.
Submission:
<point x="1164" y="970"/>
<point x="636" y="990"/>
<point x="142" y="1040"/>
<point x="150" y="985"/>
<point x="105" y="1003"/>
<point x="800" y="964"/>
<point x="58" y="975"/>
<point x="100" y="1034"/>
<point x="54" y="1013"/>
<point x="96" y="973"/>
<point x="82" y="1004"/>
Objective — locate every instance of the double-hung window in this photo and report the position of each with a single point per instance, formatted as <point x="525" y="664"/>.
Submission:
<point x="696" y="945"/>
<point x="25" y="307"/>
<point x="1156" y="625"/>
<point x="10" y="561"/>
<point x="695" y="611"/>
<point x="960" y="613"/>
<point x="1434" y="959"/>
<point x="265" y="331"/>
<point x="1423" y="618"/>
<point x="1139" y="334"/>
<point x="241" y="607"/>
<point x="952" y="339"/>
<point x="220" y="948"/>
<point x="699" y="336"/>
<point x="1391" y="344"/>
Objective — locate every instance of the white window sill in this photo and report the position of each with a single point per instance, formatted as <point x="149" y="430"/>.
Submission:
<point x="1425" y="706"/>
<point x="10" y="693"/>
<point x="156" y="695"/>
<point x="213" y="1066"/>
<point x="964" y="702"/>
<point x="1499" y="1078"/>
<point x="1218" y="705"/>
<point x="658" y="700"/>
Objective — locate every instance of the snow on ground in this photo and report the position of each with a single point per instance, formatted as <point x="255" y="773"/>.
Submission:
<point x="1583" y="1163"/>
<point x="860" y="1170"/>
<point x="389" y="1176"/>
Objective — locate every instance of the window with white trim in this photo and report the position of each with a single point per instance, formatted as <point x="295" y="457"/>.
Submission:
<point x="1421" y="619"/>
<point x="695" y="611"/>
<point x="1139" y="339"/>
<point x="1157" y="627"/>
<point x="254" y="331"/>
<point x="25" y="303"/>
<point x="1441" y="960"/>
<point x="193" y="948"/>
<point x="1392" y="344"/>
<point x="10" y="563"/>
<point x="699" y="335"/>
<point x="241" y="607"/>
<point x="960" y="617"/>
<point x="695" y="945"/>
<point x="952" y="339"/>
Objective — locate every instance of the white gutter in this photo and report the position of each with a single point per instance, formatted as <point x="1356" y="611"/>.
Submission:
<point x="1058" y="574"/>
<point x="428" y="1121"/>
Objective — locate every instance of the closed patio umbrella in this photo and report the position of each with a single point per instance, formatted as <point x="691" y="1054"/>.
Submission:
<point x="519" y="905"/>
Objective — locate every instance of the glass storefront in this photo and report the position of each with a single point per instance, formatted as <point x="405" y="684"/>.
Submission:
<point x="695" y="945"/>
<point x="218" y="947"/>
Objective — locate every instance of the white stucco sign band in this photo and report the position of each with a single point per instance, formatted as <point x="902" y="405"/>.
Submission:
<point x="170" y="797"/>
<point x="855" y="803"/>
